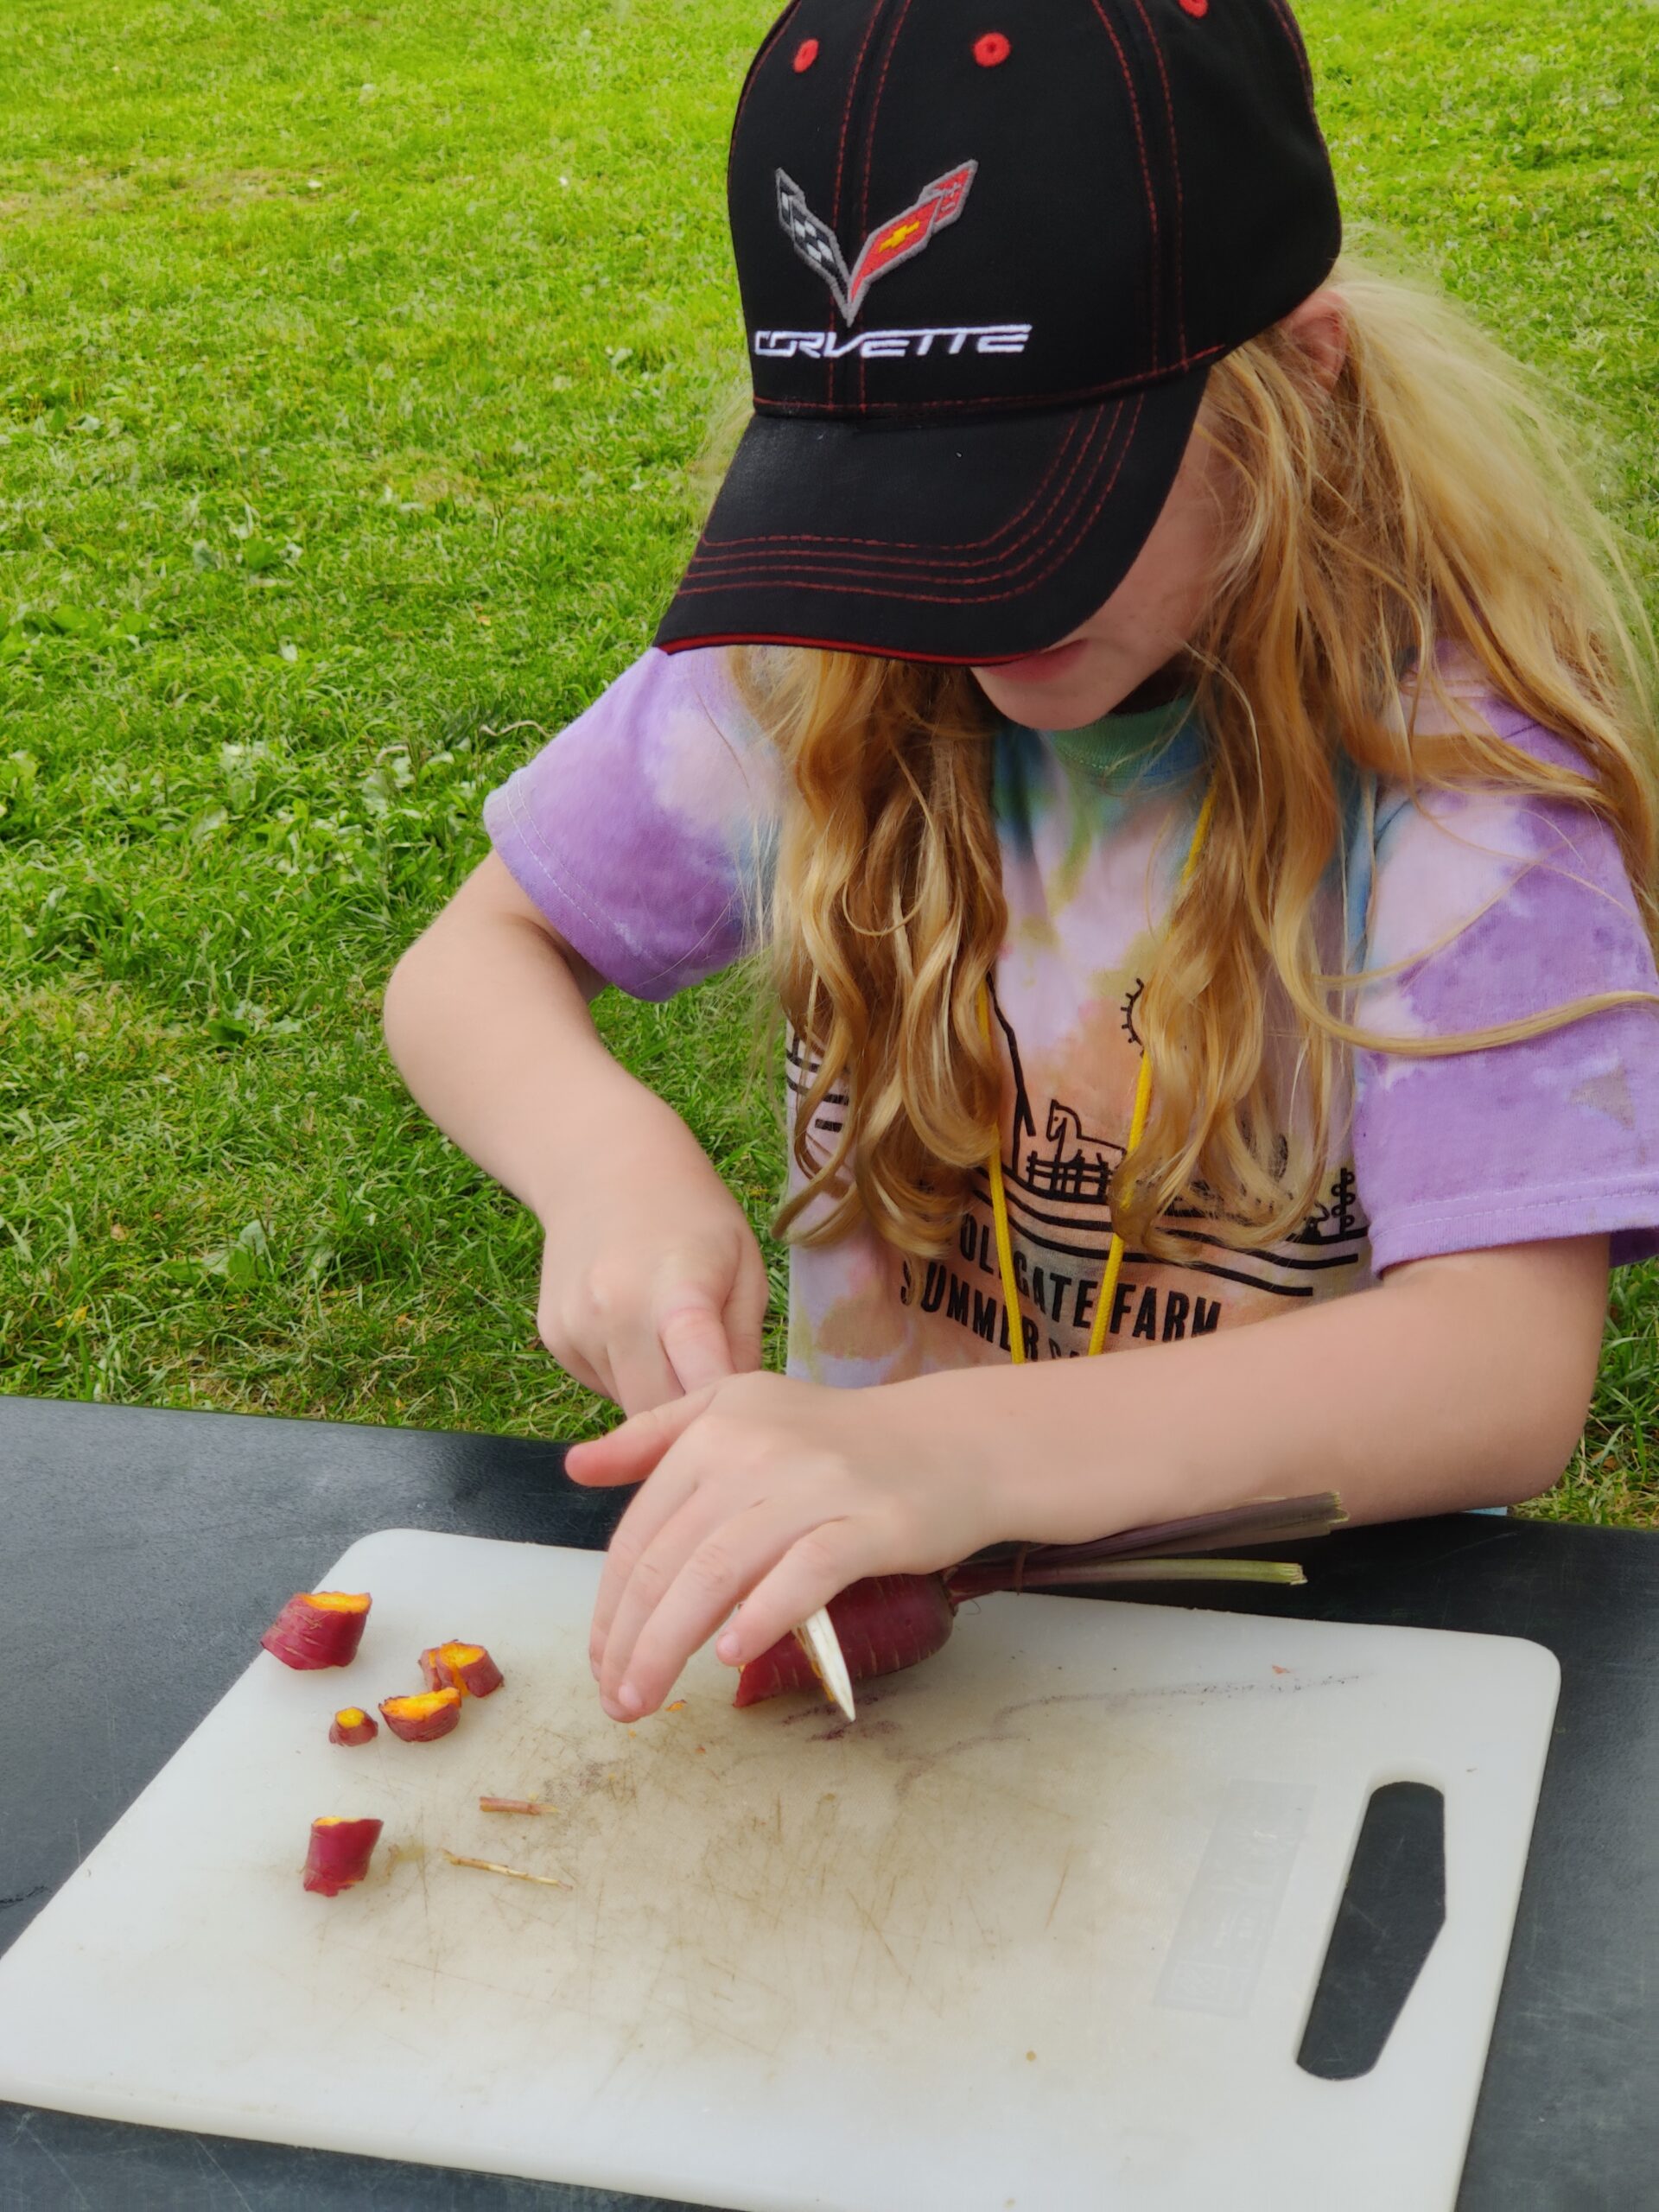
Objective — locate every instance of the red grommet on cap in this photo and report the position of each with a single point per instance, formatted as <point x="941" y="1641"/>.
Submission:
<point x="1196" y="7"/>
<point x="807" y="52"/>
<point x="994" y="47"/>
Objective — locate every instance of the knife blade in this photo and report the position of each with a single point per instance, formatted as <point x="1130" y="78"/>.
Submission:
<point x="816" y="1637"/>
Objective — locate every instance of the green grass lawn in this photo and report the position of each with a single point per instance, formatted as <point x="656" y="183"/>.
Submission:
<point x="351" y="362"/>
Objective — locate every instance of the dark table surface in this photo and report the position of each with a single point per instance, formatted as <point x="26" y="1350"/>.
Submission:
<point x="160" y="1538"/>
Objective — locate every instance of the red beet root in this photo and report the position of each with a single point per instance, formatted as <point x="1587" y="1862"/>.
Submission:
<point x="351" y="1724"/>
<point x="883" y="1623"/>
<point x="891" y="1621"/>
<point x="339" y="1854"/>
<point x="318" y="1628"/>
<point x="424" y="1717"/>
<point x="468" y="1668"/>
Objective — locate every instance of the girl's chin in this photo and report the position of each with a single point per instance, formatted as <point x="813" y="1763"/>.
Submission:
<point x="1049" y="690"/>
<point x="1038" y="670"/>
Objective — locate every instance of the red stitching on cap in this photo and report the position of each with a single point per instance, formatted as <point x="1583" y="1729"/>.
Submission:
<point x="772" y="37"/>
<point x="932" y="598"/>
<point x="805" y="54"/>
<point x="840" y="158"/>
<point x="991" y="49"/>
<point x="1067" y="534"/>
<point x="847" y="117"/>
<point x="972" y="553"/>
<point x="993" y="550"/>
<point x="1141" y="148"/>
<point x="875" y="109"/>
<point x="776" y="578"/>
<point x="1298" y="47"/>
<point x="869" y="152"/>
<point x="725" y="572"/>
<point x="1174" y="169"/>
<point x="969" y="545"/>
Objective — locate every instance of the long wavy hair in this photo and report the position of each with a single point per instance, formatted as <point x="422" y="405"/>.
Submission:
<point x="1436" y="494"/>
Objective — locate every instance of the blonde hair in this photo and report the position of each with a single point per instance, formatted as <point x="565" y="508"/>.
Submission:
<point x="1434" y="495"/>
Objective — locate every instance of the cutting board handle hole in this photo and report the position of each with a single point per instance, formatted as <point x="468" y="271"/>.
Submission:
<point x="1392" y="1907"/>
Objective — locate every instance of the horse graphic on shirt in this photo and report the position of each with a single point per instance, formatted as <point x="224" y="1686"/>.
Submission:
<point x="1069" y="1169"/>
<point x="1080" y="1167"/>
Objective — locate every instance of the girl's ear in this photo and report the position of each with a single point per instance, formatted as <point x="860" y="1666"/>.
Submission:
<point x="1319" y="329"/>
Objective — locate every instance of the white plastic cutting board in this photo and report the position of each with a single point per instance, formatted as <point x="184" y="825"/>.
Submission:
<point x="1039" y="1932"/>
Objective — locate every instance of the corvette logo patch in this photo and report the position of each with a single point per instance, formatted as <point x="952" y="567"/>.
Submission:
<point x="884" y="249"/>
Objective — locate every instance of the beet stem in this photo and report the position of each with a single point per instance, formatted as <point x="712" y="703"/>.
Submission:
<point x="1265" y="1521"/>
<point x="1284" y="1572"/>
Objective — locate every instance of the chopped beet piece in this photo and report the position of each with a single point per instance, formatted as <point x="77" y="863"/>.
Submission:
<point x="339" y="1854"/>
<point x="318" y="1628"/>
<point x="424" y="1717"/>
<point x="468" y="1668"/>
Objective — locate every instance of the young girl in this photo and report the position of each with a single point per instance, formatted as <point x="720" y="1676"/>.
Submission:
<point x="1159" y="696"/>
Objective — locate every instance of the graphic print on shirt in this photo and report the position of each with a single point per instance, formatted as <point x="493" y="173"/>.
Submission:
<point x="1057" y="1174"/>
<point x="831" y="1118"/>
<point x="1449" y="898"/>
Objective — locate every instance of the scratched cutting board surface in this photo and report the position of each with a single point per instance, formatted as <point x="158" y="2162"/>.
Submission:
<point x="1040" y="1931"/>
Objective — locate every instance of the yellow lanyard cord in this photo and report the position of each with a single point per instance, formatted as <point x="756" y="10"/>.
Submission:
<point x="1137" y="1130"/>
<point x="1000" y="1215"/>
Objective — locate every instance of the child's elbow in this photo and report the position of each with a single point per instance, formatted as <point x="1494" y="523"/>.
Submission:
<point x="1512" y="1337"/>
<point x="1556" y="1355"/>
<point x="407" y="991"/>
<point x="1552" y="1444"/>
<point x="393" y="999"/>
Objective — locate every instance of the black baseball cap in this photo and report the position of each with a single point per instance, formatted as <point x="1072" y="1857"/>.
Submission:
<point x="988" y="254"/>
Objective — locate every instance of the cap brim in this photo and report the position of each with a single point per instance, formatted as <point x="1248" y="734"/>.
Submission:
<point x="970" y="542"/>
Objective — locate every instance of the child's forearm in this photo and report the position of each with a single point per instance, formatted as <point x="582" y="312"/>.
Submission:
<point x="486" y="1018"/>
<point x="652" y="1282"/>
<point x="1457" y="1381"/>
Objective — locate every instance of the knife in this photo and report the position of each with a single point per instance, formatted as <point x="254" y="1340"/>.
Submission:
<point x="817" y="1639"/>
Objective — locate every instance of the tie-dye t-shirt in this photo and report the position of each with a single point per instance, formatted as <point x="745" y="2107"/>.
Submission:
<point x="642" y="832"/>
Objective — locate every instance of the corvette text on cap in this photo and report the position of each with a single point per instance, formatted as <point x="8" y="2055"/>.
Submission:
<point x="985" y="267"/>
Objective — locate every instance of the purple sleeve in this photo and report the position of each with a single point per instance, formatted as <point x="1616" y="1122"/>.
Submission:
<point x="1487" y="908"/>
<point x="642" y="831"/>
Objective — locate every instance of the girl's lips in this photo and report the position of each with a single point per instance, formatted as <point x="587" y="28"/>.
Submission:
<point x="1042" y="668"/>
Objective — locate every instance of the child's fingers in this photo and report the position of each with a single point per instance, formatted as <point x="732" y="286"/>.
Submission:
<point x="745" y="1310"/>
<point x="826" y="1560"/>
<point x="683" y="1588"/>
<point x="629" y="1452"/>
<point x="648" y="1514"/>
<point x="643" y="1562"/>
<point x="643" y="1375"/>
<point x="593" y="1373"/>
<point x="692" y="1332"/>
<point x="590" y="1377"/>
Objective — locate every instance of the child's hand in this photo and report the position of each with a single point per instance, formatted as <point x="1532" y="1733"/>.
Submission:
<point x="776" y="1493"/>
<point x="652" y="1282"/>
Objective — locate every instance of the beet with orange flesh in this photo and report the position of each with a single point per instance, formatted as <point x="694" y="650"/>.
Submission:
<point x="318" y="1628"/>
<point x="352" y="1725"/>
<point x="339" y="1854"/>
<point x="425" y="1717"/>
<point x="468" y="1668"/>
<point x="885" y="1623"/>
